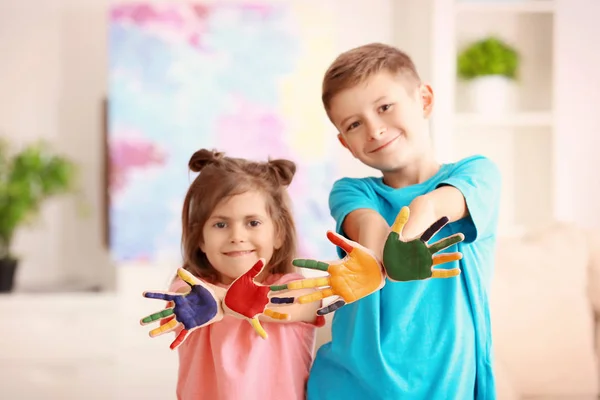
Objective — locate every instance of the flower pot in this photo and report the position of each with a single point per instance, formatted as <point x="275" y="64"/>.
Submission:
<point x="8" y="266"/>
<point x="492" y="94"/>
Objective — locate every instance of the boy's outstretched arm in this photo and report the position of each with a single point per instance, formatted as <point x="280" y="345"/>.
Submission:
<point x="368" y="228"/>
<point x="445" y="201"/>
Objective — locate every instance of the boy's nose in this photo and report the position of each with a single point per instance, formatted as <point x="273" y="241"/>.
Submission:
<point x="375" y="131"/>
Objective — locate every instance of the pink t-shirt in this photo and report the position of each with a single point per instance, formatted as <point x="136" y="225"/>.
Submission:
<point x="227" y="360"/>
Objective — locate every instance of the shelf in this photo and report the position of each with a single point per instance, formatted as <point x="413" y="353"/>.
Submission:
<point x="526" y="119"/>
<point x="515" y="6"/>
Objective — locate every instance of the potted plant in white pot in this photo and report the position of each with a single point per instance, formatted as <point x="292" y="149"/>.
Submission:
<point x="489" y="66"/>
<point x="27" y="179"/>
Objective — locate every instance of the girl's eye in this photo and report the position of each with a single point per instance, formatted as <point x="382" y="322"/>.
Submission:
<point x="353" y="125"/>
<point x="220" y="225"/>
<point x="254" y="223"/>
<point x="385" y="107"/>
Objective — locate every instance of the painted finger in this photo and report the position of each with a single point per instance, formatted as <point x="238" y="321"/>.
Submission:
<point x="434" y="228"/>
<point x="445" y="273"/>
<point x="446" y="258"/>
<point x="161" y="295"/>
<point x="310" y="264"/>
<point x="161" y="330"/>
<point x="316" y="296"/>
<point x="401" y="220"/>
<point x="282" y="300"/>
<point x="331" y="308"/>
<point x="179" y="339"/>
<point x="276" y="315"/>
<point x="258" y="327"/>
<point x="340" y="241"/>
<point x="256" y="269"/>
<point x="187" y="277"/>
<point x="446" y="242"/>
<point x="303" y="284"/>
<point x="156" y="316"/>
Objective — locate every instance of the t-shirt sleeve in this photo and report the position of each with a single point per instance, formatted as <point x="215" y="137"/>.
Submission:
<point x="479" y="180"/>
<point x="347" y="195"/>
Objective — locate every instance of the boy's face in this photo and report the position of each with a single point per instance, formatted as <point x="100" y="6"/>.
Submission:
<point x="382" y="122"/>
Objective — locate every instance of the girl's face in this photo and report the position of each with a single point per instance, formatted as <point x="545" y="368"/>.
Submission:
<point x="239" y="232"/>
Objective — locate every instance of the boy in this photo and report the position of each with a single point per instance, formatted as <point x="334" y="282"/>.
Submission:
<point x="418" y="340"/>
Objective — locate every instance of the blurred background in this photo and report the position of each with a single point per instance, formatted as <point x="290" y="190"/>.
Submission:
<point x="103" y="103"/>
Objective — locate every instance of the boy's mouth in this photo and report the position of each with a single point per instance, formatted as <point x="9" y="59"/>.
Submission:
<point x="239" y="253"/>
<point x="383" y="146"/>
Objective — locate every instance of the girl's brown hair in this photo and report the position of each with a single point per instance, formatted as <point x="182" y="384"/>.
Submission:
<point x="222" y="177"/>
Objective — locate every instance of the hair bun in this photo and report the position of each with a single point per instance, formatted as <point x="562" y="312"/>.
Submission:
<point x="202" y="158"/>
<point x="282" y="171"/>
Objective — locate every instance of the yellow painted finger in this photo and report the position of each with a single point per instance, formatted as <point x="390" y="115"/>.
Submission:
<point x="401" y="220"/>
<point x="186" y="276"/>
<point x="308" y="283"/>
<point x="316" y="296"/>
<point x="168" y="327"/>
<point x="258" y="328"/>
<point x="276" y="315"/>
<point x="446" y="257"/>
<point x="445" y="273"/>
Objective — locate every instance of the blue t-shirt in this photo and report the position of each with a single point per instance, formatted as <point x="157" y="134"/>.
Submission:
<point x="419" y="340"/>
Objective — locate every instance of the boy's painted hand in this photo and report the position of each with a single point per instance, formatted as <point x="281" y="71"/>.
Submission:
<point x="247" y="299"/>
<point x="195" y="309"/>
<point x="409" y="260"/>
<point x="355" y="276"/>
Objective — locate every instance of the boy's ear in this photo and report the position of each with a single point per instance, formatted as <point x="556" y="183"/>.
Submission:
<point x="342" y="141"/>
<point x="426" y="96"/>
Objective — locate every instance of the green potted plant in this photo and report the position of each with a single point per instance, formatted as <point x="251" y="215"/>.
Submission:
<point x="490" y="68"/>
<point x="27" y="179"/>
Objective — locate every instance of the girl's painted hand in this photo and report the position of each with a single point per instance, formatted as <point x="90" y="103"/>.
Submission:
<point x="189" y="311"/>
<point x="247" y="299"/>
<point x="409" y="260"/>
<point x="355" y="276"/>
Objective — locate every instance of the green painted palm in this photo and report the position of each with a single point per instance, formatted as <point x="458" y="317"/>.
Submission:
<point x="411" y="260"/>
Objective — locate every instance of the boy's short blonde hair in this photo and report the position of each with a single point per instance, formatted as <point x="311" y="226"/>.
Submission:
<point x="356" y="65"/>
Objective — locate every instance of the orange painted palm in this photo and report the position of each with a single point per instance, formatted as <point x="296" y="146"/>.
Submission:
<point x="355" y="276"/>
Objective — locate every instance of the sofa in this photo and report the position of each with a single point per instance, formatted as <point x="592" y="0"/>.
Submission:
<point x="545" y="302"/>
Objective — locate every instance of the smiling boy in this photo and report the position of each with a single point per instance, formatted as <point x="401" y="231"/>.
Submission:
<point x="428" y="339"/>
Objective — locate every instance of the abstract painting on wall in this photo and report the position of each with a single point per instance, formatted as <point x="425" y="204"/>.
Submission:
<point x="236" y="77"/>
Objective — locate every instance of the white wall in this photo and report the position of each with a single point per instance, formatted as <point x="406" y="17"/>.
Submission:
<point x="577" y="61"/>
<point x="52" y="79"/>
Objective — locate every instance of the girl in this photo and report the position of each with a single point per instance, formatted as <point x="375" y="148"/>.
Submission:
<point x="237" y="212"/>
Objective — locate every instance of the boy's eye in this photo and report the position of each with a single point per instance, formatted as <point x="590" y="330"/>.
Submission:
<point x="353" y="125"/>
<point x="220" y="225"/>
<point x="254" y="223"/>
<point x="385" y="107"/>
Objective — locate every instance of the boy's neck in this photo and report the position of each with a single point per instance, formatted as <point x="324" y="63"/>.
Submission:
<point x="411" y="175"/>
